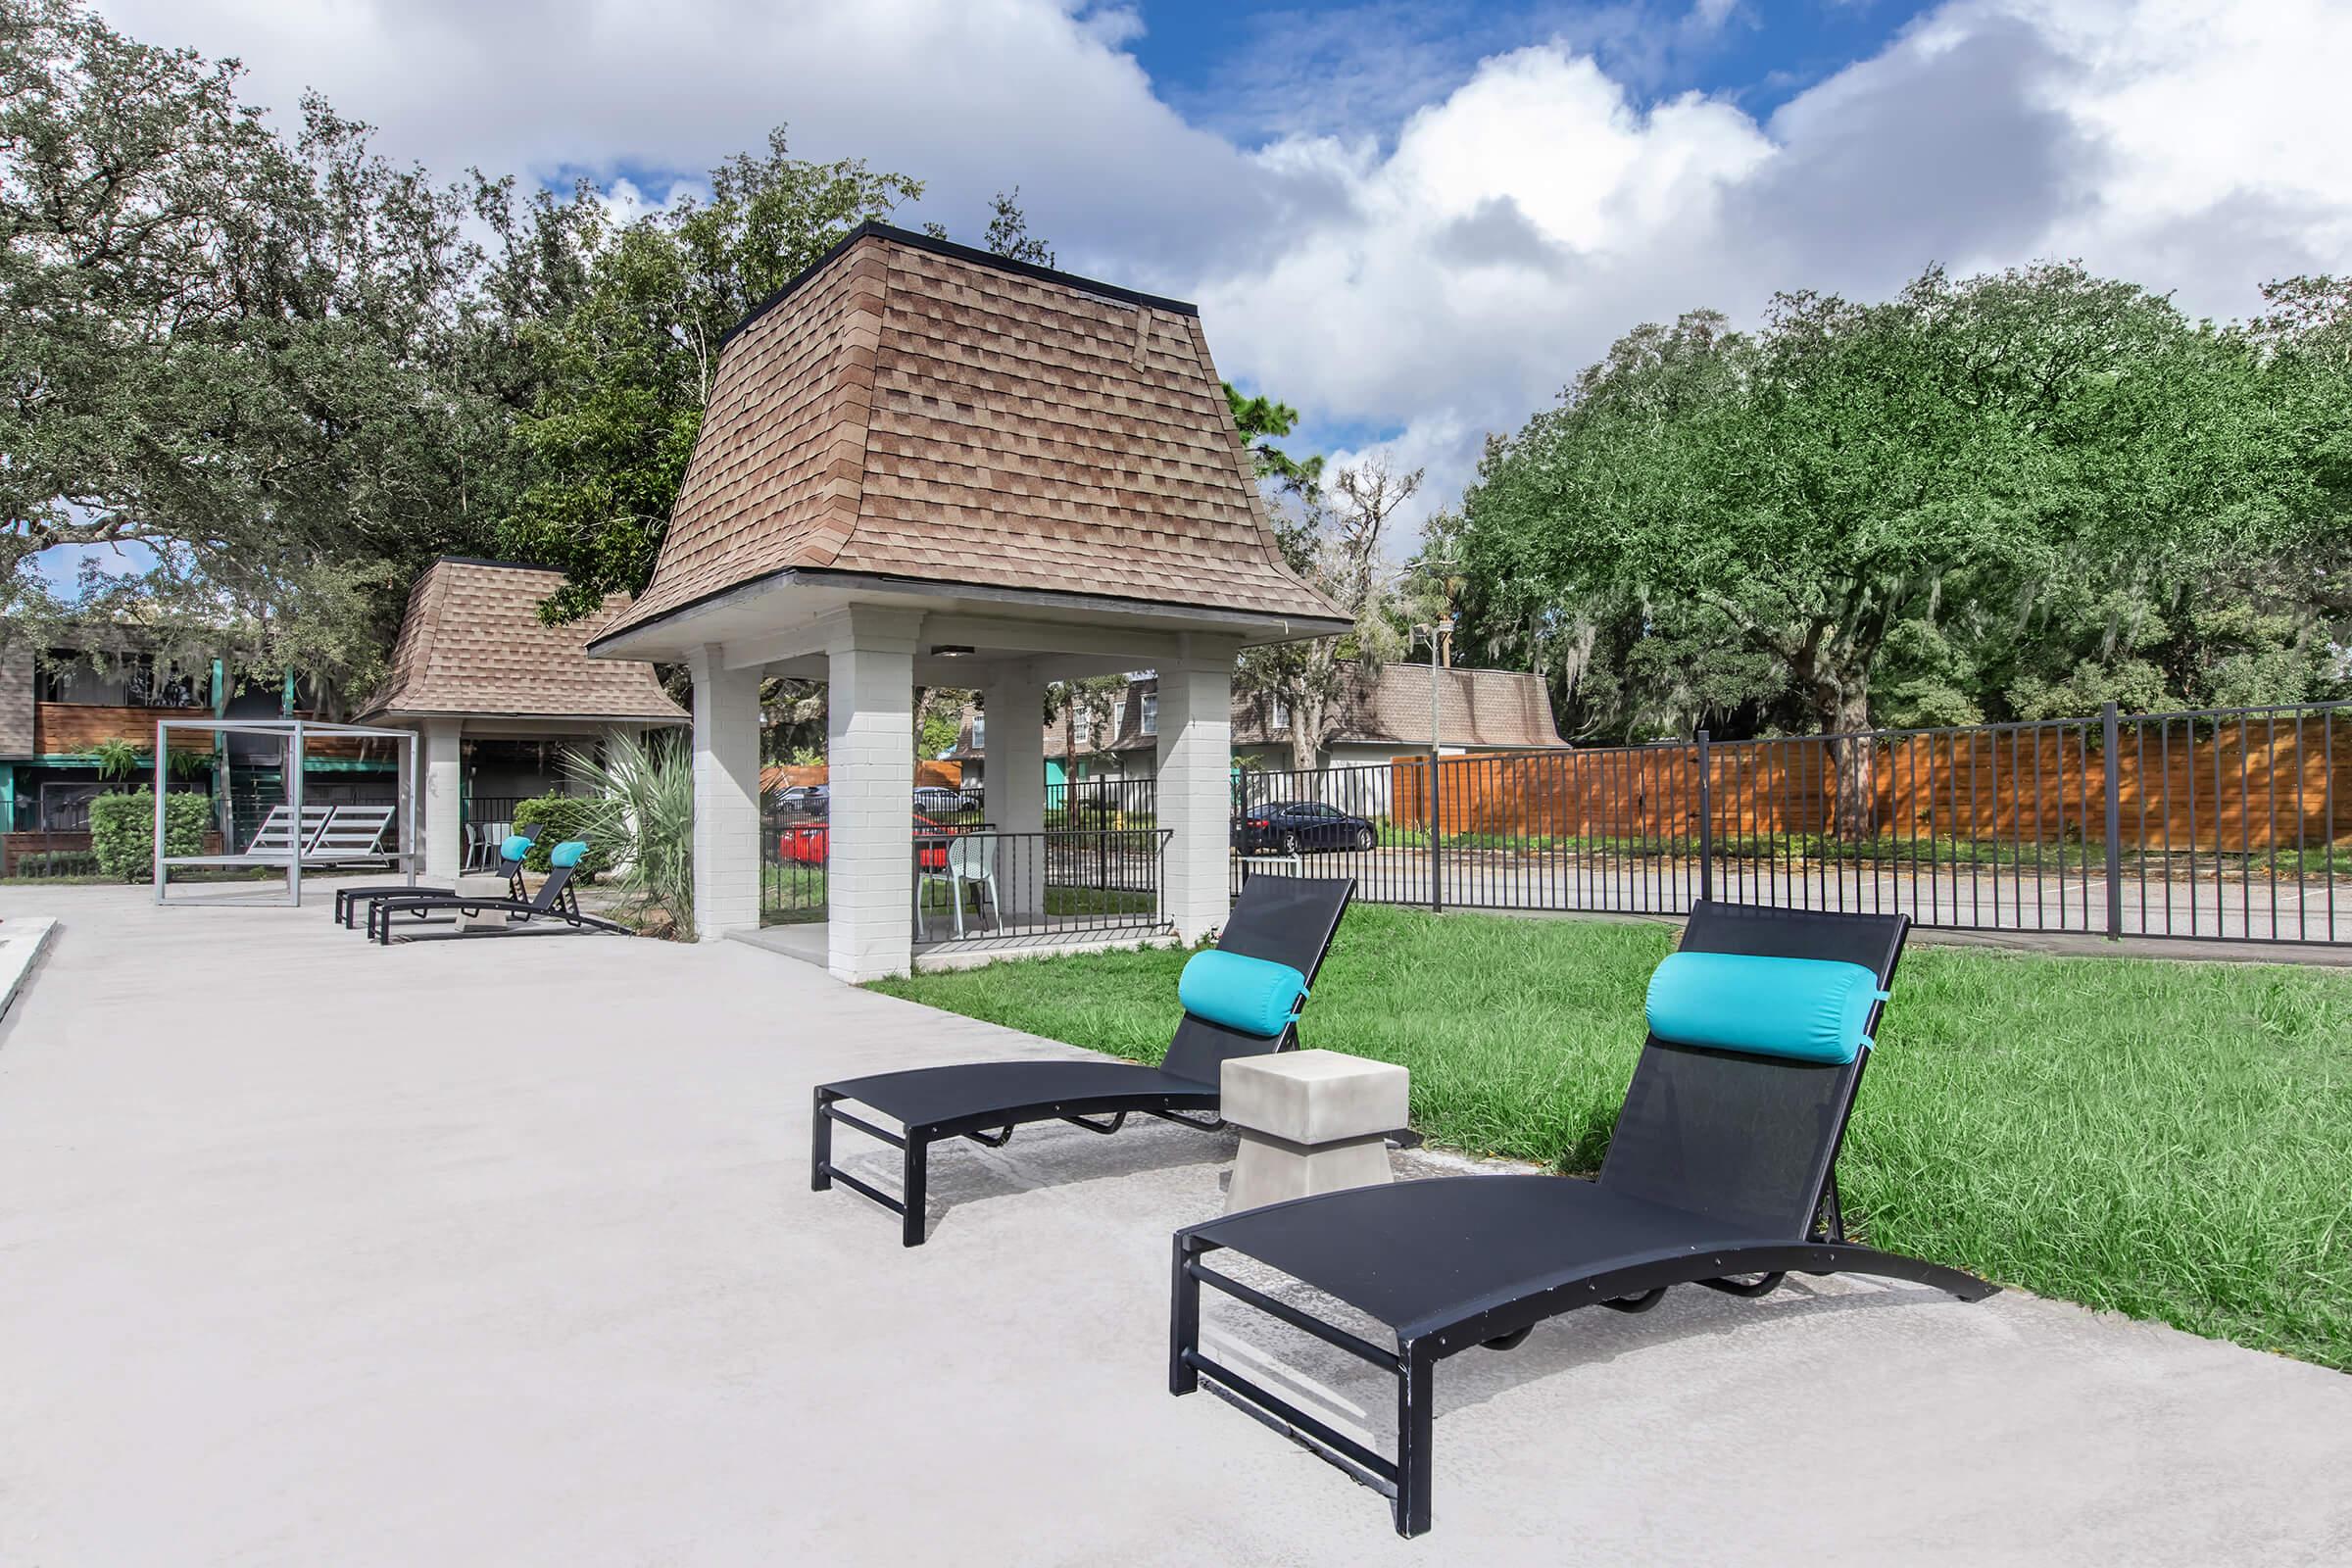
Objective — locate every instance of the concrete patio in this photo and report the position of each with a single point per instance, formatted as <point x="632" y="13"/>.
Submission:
<point x="504" y="1252"/>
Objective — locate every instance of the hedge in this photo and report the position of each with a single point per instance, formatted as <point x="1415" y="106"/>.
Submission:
<point x="123" y="830"/>
<point x="567" y="817"/>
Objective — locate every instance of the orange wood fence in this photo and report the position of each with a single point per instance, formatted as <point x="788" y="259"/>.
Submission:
<point x="2261" y="784"/>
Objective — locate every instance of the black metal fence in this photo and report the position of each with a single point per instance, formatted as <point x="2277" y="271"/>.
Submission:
<point x="1095" y="803"/>
<point x="2217" y="824"/>
<point x="974" y="882"/>
<point x="1018" y="886"/>
<point x="492" y="809"/>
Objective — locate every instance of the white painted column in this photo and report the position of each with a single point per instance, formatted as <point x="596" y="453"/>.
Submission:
<point x="869" y="760"/>
<point x="1196" y="791"/>
<point x="444" y="787"/>
<point x="727" y="796"/>
<point x="1014" y="700"/>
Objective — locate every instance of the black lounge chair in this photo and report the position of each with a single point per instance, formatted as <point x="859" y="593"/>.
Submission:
<point x="349" y="900"/>
<point x="1721" y="1172"/>
<point x="1278" y="920"/>
<point x="555" y="906"/>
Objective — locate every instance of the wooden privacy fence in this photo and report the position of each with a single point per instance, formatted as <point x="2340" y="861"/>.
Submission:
<point x="2236" y="781"/>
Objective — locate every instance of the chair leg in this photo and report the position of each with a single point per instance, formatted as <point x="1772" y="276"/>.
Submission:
<point x="912" y="1186"/>
<point x="820" y="1144"/>
<point x="1415" y="1381"/>
<point x="1183" y="1322"/>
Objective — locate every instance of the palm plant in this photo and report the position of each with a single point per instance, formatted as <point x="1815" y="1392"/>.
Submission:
<point x="645" y="825"/>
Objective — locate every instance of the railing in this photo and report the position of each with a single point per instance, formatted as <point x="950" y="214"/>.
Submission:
<point x="2219" y="824"/>
<point x="1090" y="803"/>
<point x="793" y="847"/>
<point x="481" y="808"/>
<point x="982" y="884"/>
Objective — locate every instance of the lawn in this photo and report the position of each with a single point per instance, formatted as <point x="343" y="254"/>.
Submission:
<point x="2162" y="1137"/>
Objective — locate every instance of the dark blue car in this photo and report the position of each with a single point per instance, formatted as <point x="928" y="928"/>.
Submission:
<point x="1290" y="827"/>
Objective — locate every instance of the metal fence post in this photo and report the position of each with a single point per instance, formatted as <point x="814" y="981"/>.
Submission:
<point x="1437" y="896"/>
<point x="1706" y="822"/>
<point x="2111" y="741"/>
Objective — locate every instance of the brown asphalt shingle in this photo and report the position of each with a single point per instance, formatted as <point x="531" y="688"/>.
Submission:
<point x="472" y="642"/>
<point x="915" y="410"/>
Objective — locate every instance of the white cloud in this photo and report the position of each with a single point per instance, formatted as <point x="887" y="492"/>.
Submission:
<point x="1536" y="213"/>
<point x="1449" y="278"/>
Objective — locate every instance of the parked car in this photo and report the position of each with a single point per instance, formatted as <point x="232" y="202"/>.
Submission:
<point x="1289" y="827"/>
<point x="807" y="799"/>
<point x="941" y="801"/>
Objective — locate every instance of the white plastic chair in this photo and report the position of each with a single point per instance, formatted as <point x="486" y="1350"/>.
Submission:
<point x="972" y="861"/>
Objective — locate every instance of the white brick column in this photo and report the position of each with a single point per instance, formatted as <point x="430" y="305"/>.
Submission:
<point x="1196" y="791"/>
<point x="1015" y="701"/>
<point x="444" y="785"/>
<point x="727" y="796"/>
<point x="869" y="761"/>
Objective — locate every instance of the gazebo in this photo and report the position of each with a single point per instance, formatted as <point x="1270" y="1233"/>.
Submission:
<point x="926" y="463"/>
<point x="475" y="669"/>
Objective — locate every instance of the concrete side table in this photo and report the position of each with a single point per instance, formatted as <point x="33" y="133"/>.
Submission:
<point x="1311" y="1121"/>
<point x="480" y="887"/>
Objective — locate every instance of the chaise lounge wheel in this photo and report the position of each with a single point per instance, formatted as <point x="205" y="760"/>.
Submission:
<point x="1512" y="1341"/>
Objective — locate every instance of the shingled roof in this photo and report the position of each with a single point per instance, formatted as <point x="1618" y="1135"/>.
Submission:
<point x="915" y="410"/>
<point x="1503" y="709"/>
<point x="472" y="643"/>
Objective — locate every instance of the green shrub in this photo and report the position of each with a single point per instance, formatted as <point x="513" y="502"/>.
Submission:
<point x="560" y="817"/>
<point x="123" y="830"/>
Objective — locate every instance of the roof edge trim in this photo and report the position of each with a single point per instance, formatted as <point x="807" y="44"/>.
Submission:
<point x="871" y="229"/>
<point x="944" y="587"/>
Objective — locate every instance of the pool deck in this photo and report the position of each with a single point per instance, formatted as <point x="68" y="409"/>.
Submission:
<point x="504" y="1251"/>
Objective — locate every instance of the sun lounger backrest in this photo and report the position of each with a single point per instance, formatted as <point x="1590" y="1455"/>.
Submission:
<point x="1746" y="1139"/>
<point x="271" y="838"/>
<point x="350" y="830"/>
<point x="1287" y="920"/>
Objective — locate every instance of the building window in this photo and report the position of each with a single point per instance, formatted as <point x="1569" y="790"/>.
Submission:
<point x="1281" y="714"/>
<point x="1150" y="712"/>
<point x="980" y="733"/>
<point x="1082" y="723"/>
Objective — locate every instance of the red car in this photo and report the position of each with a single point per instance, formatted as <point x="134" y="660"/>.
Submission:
<point x="806" y="843"/>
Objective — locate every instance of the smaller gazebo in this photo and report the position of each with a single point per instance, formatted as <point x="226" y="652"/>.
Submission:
<point x="925" y="463"/>
<point x="475" y="670"/>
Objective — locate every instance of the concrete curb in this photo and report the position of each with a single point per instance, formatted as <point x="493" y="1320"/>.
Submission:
<point x="20" y="941"/>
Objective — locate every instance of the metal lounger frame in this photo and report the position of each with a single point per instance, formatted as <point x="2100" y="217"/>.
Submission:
<point x="1633" y="1283"/>
<point x="991" y="1130"/>
<point x="562" y="909"/>
<point x="993" y="1127"/>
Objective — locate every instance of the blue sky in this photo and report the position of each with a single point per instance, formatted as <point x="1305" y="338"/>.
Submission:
<point x="1416" y="219"/>
<point x="1261" y="70"/>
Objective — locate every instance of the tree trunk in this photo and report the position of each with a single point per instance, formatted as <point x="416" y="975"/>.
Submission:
<point x="1856" y="757"/>
<point x="1307" y="730"/>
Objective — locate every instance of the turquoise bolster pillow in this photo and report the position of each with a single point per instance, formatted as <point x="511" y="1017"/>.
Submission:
<point x="568" y="853"/>
<point x="1251" y="995"/>
<point x="515" y="846"/>
<point x="1805" y="1009"/>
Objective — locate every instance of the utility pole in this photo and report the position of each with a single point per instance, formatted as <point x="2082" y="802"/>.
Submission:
<point x="1439" y="632"/>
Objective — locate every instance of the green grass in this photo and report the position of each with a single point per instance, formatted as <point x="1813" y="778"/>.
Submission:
<point x="2167" y="1138"/>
